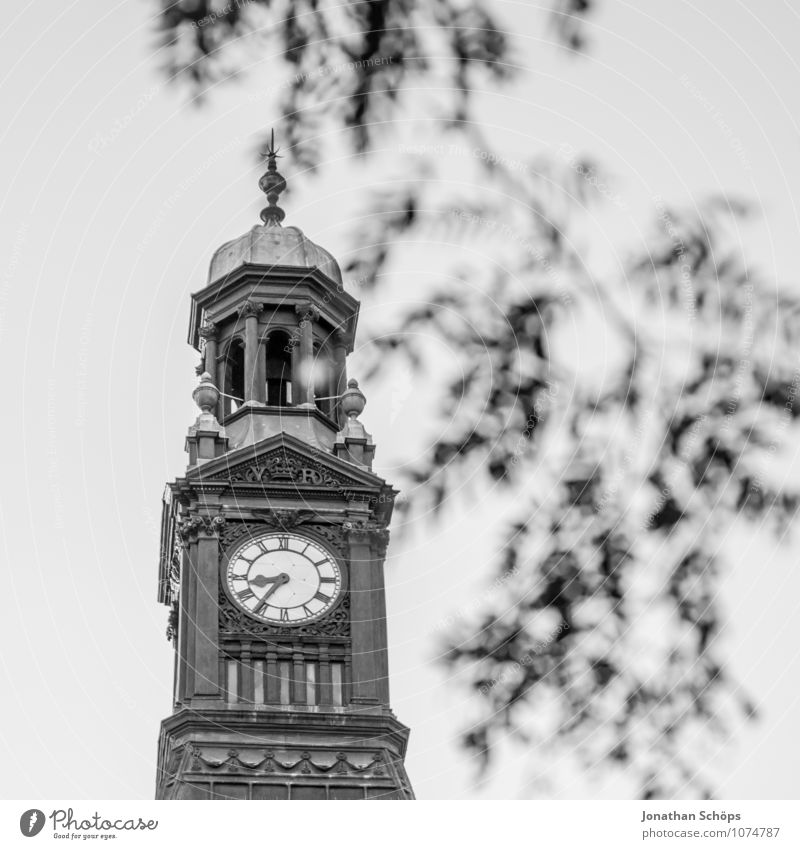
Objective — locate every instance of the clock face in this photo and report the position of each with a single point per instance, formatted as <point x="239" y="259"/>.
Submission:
<point x="283" y="579"/>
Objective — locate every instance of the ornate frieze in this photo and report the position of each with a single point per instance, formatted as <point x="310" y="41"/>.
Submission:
<point x="289" y="762"/>
<point x="234" y="531"/>
<point x="283" y="519"/>
<point x="283" y="467"/>
<point x="233" y="622"/>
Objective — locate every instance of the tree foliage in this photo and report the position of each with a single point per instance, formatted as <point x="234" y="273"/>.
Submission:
<point x="603" y="640"/>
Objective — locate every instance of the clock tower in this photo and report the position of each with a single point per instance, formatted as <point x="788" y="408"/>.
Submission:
<point x="274" y="540"/>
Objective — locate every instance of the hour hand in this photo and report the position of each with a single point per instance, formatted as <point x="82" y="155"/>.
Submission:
<point x="263" y="580"/>
<point x="276" y="582"/>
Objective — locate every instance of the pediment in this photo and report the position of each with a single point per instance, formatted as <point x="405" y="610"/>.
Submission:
<point x="283" y="460"/>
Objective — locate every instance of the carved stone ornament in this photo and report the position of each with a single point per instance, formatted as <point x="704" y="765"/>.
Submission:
<point x="172" y="622"/>
<point x="307" y="311"/>
<point x="381" y="537"/>
<point x="235" y="531"/>
<point x="367" y="532"/>
<point x="357" y="527"/>
<point x="194" y="526"/>
<point x="251" y="308"/>
<point x="283" y="518"/>
<point x="175" y="568"/>
<point x="282" y="466"/>
<point x="208" y="331"/>
<point x="288" y="762"/>
<point x="341" y="338"/>
<point x="233" y="622"/>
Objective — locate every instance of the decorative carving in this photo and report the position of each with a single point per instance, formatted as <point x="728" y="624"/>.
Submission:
<point x="367" y="532"/>
<point x="370" y="763"/>
<point x="381" y="537"/>
<point x="307" y="311"/>
<point x="234" y="531"/>
<point x="173" y="761"/>
<point x="188" y="528"/>
<point x="174" y="574"/>
<point x="172" y="622"/>
<point x="285" y="467"/>
<point x="332" y="535"/>
<point x="284" y="518"/>
<point x="341" y="338"/>
<point x="192" y="526"/>
<point x="272" y="184"/>
<point x="234" y="622"/>
<point x="251" y="308"/>
<point x="208" y="331"/>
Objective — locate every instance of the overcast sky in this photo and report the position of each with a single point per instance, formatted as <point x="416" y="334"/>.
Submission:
<point x="116" y="191"/>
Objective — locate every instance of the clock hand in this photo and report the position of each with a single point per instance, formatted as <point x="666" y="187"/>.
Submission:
<point x="263" y="580"/>
<point x="279" y="581"/>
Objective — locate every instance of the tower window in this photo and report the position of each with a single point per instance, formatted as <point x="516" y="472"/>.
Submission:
<point x="337" y="684"/>
<point x="284" y="673"/>
<point x="279" y="370"/>
<point x="234" y="374"/>
<point x="322" y="376"/>
<point x="258" y="682"/>
<point x="311" y="683"/>
<point x="233" y="682"/>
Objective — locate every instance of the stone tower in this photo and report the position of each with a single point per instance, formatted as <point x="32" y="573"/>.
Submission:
<point x="273" y="542"/>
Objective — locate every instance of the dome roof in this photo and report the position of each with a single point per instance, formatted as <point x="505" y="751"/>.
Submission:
<point x="272" y="244"/>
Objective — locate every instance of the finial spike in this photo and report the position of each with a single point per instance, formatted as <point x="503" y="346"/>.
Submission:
<point x="272" y="184"/>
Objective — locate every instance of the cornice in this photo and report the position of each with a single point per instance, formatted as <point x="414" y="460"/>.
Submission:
<point x="331" y="294"/>
<point x="363" y="728"/>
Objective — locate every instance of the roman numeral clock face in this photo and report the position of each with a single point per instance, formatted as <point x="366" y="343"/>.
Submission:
<point x="283" y="579"/>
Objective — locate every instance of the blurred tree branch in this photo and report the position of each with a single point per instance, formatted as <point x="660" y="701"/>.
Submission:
<point x="604" y="640"/>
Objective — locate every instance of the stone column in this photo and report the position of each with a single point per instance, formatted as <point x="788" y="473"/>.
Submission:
<point x="246" y="683"/>
<point x="224" y="404"/>
<point x="185" y="633"/>
<point x="260" y="393"/>
<point x="308" y="315"/>
<point x="253" y="391"/>
<point x="381" y="543"/>
<point x="339" y="382"/>
<point x="201" y="536"/>
<point x="296" y="399"/>
<point x="209" y="333"/>
<point x="367" y="617"/>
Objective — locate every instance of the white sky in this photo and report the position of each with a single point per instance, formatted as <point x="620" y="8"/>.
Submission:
<point x="103" y="240"/>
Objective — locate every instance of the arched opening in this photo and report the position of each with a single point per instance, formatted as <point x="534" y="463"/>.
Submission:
<point x="279" y="369"/>
<point x="322" y="380"/>
<point x="234" y="376"/>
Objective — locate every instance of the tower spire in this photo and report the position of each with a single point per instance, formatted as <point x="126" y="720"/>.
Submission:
<point x="272" y="184"/>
